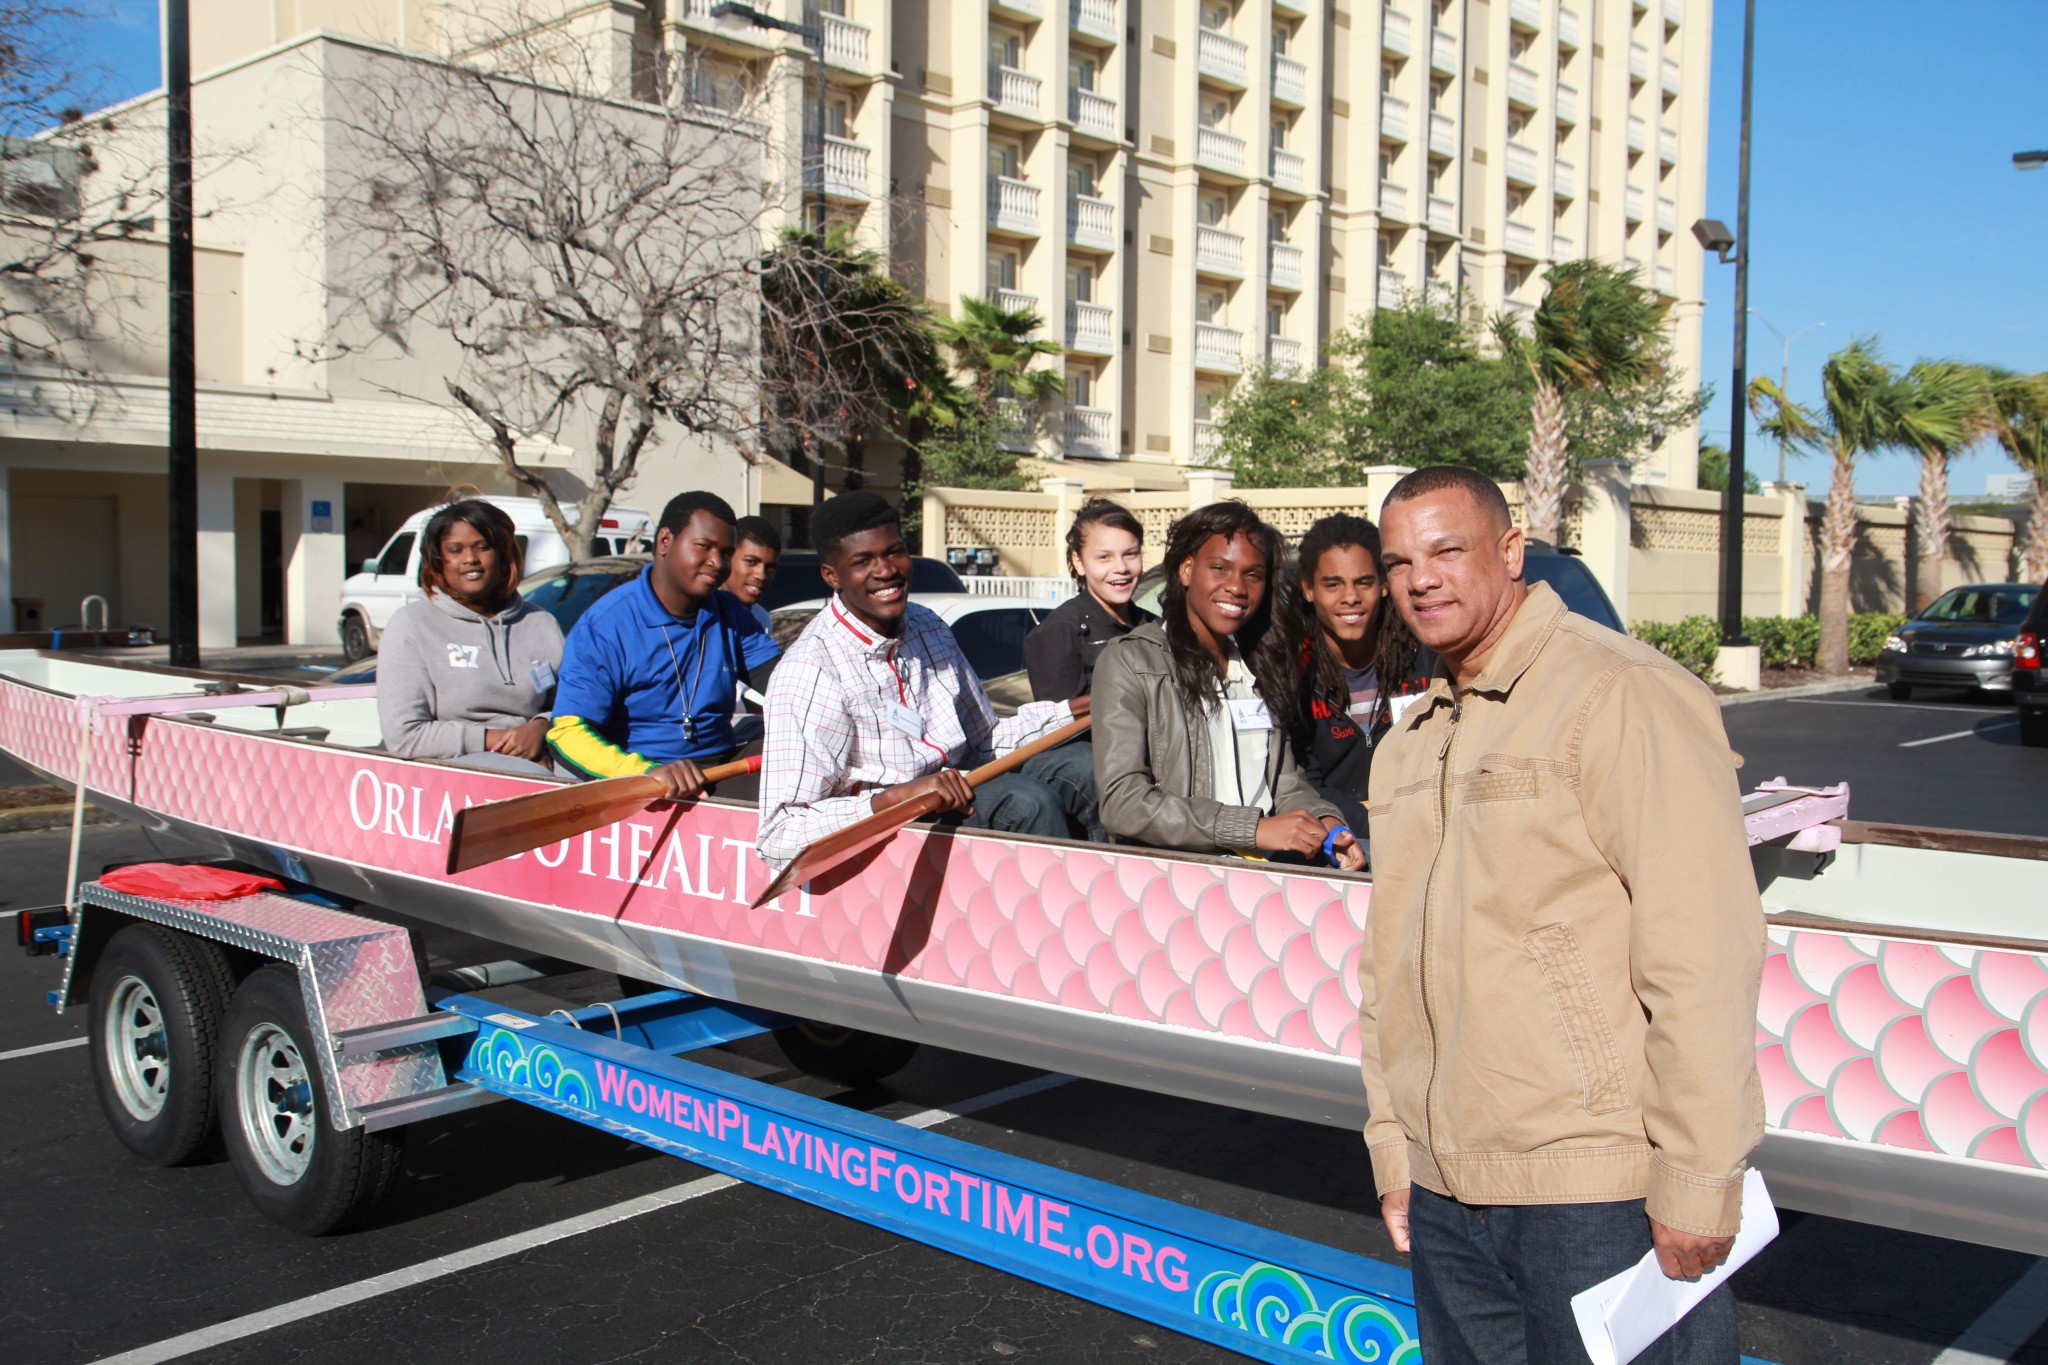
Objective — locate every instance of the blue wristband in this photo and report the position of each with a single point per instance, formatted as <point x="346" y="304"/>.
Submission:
<point x="1330" y="840"/>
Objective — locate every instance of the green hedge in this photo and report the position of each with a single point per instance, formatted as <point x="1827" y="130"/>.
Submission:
<point x="1785" y="641"/>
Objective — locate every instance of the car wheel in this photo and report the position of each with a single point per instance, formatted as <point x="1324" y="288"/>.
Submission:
<point x="845" y="1055"/>
<point x="355" y="638"/>
<point x="2034" y="729"/>
<point x="157" y="1000"/>
<point x="1899" y="691"/>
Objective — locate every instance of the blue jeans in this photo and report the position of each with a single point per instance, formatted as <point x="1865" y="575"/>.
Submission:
<point x="1018" y="805"/>
<point x="1070" y="771"/>
<point x="1494" y="1284"/>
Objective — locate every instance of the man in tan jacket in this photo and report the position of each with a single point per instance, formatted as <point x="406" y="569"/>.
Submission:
<point x="1562" y="955"/>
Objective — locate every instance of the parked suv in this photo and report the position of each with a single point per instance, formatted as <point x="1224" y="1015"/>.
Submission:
<point x="2029" y="682"/>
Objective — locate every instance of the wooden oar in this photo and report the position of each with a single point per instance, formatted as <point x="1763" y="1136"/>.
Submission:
<point x="499" y="829"/>
<point x="834" y="849"/>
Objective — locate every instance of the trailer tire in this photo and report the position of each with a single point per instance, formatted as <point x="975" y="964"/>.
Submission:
<point x="297" y="1168"/>
<point x="355" y="638"/>
<point x="846" y="1055"/>
<point x="157" y="1001"/>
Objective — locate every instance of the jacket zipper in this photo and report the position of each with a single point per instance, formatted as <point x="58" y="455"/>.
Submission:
<point x="1443" y="806"/>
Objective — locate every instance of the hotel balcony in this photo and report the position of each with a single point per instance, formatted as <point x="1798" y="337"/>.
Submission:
<point x="1091" y="223"/>
<point x="1218" y="252"/>
<point x="1519" y="312"/>
<point x="1290" y="82"/>
<point x="1283" y="265"/>
<point x="1014" y="91"/>
<point x="1443" y="215"/>
<point x="1567" y="28"/>
<point x="1518" y="239"/>
<point x="1297" y="8"/>
<point x="1012" y="206"/>
<point x="1393" y="288"/>
<point x="1289" y="170"/>
<point x="1522" y="85"/>
<point x="1633" y="266"/>
<point x="1222" y="58"/>
<point x="1013" y="300"/>
<point x="1563" y="248"/>
<point x="1567" y="104"/>
<point x="1638" y="62"/>
<point x="1632" y="204"/>
<point x="1094" y="114"/>
<point x="1667" y="146"/>
<point x="1638" y="133"/>
<point x="1564" y="180"/>
<point x="1394" y="32"/>
<point x="1667" y="214"/>
<point x="1393" y="118"/>
<point x="846" y="43"/>
<point x="1091" y="433"/>
<point x="1027" y="9"/>
<point x="1674" y="12"/>
<point x="846" y="169"/>
<point x="1667" y="281"/>
<point x="1208" y="437"/>
<point x="1219" y="349"/>
<point x="1668" y="76"/>
<point x="1283" y="354"/>
<point x="1394" y="201"/>
<point x="1525" y="14"/>
<point x="1219" y="151"/>
<point x="1520" y="163"/>
<point x="1018" y="425"/>
<point x="1094" y="19"/>
<point x="1091" y="328"/>
<point x="1443" y="53"/>
<point x="1443" y="135"/>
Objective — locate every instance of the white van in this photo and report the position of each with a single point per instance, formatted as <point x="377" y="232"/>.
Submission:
<point x="387" y="582"/>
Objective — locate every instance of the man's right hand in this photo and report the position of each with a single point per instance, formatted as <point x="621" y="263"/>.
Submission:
<point x="1394" y="1213"/>
<point x="1293" y="831"/>
<point x="950" y="783"/>
<point x="682" y="778"/>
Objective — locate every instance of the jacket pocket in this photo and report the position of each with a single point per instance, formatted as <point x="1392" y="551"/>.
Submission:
<point x="1603" y="1082"/>
<point x="1507" y="786"/>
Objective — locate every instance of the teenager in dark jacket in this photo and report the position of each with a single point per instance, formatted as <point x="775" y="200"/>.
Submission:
<point x="1359" y="666"/>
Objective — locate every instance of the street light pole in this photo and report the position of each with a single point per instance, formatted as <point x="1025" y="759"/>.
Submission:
<point x="1731" y="500"/>
<point x="1784" y="370"/>
<point x="182" y="439"/>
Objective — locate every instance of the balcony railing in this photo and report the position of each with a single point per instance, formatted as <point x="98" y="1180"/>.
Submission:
<point x="846" y="43"/>
<point x="1218" y="348"/>
<point x="1091" y="433"/>
<point x="1443" y="135"/>
<point x="1393" y="288"/>
<point x="1564" y="180"/>
<point x="1093" y="113"/>
<point x="1520" y="162"/>
<point x="1525" y="13"/>
<point x="1443" y="53"/>
<point x="1013" y="300"/>
<point x="1393" y="118"/>
<point x="1518" y="238"/>
<point x="1638" y="62"/>
<point x="1283" y="265"/>
<point x="1667" y="146"/>
<point x="1030" y="9"/>
<point x="1394" y="201"/>
<point x="1208" y="436"/>
<point x="1521" y="85"/>
<point x="1091" y="222"/>
<point x="1667" y="72"/>
<point x="1567" y="106"/>
<point x="1638" y="133"/>
<point x="1096" y="18"/>
<point x="846" y="168"/>
<point x="1290" y="81"/>
<point x="1674" y="12"/>
<point x="1667" y="280"/>
<point x="1219" y="150"/>
<point x="1563" y="248"/>
<point x="1394" y="32"/>
<point x="1012" y="205"/>
<point x="1289" y="170"/>
<point x="1283" y="354"/>
<point x="1518" y="311"/>
<point x="1091" y="328"/>
<point x="1017" y="427"/>
<point x="1443" y="214"/>
<point x="1221" y="57"/>
<point x="1567" y="28"/>
<point x="1218" y="252"/>
<point x="1014" y="91"/>
<point x="1667" y="214"/>
<point x="1633" y="264"/>
<point x="1632" y="204"/>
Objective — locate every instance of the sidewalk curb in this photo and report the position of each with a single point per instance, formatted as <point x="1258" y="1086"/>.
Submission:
<point x="1809" y="690"/>
<point x="29" y="818"/>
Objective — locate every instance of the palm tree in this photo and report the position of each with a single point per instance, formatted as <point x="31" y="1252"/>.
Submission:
<point x="1945" y="406"/>
<point x="1595" y="329"/>
<point x="994" y="348"/>
<point x="2021" y="405"/>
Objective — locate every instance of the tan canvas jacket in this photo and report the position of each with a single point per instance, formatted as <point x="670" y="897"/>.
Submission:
<point x="1564" y="944"/>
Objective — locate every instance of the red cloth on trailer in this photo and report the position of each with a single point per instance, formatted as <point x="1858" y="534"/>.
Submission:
<point x="187" y="882"/>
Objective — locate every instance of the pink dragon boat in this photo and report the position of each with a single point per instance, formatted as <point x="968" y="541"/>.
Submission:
<point x="1902" y="1035"/>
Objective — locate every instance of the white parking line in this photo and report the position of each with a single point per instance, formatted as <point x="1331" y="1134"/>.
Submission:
<point x="41" y="1047"/>
<point x="1959" y="734"/>
<point x="2004" y="1327"/>
<point x="237" y="1329"/>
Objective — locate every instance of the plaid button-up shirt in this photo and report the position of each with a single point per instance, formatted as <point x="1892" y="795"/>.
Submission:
<point x="831" y="742"/>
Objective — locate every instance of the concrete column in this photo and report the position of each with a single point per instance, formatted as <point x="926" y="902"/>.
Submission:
<point x="1379" y="481"/>
<point x="1792" y="573"/>
<point x="216" y="558"/>
<point x="315" y="560"/>
<point x="1208" y="485"/>
<point x="1605" y="520"/>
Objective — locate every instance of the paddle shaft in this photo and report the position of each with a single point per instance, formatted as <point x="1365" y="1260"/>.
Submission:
<point x="518" y="824"/>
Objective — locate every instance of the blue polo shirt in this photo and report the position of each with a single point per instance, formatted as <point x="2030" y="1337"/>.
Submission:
<point x="639" y="687"/>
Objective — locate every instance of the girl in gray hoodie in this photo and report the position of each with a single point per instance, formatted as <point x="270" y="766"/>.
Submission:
<point x="470" y="668"/>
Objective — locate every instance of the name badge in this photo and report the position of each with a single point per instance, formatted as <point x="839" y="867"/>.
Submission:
<point x="901" y="717"/>
<point x="1249" y="713"/>
<point x="543" y="675"/>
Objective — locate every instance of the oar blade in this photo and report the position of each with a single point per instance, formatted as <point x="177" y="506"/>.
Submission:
<point x="518" y="824"/>
<point x="834" y="849"/>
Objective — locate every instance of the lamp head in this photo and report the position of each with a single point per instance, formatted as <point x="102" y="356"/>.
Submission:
<point x="733" y="17"/>
<point x="1713" y="235"/>
<point x="2029" y="161"/>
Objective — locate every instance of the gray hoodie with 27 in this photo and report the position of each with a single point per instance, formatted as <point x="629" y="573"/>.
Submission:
<point x="445" y="674"/>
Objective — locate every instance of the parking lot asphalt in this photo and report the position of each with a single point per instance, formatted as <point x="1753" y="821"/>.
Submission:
<point x="512" y="1231"/>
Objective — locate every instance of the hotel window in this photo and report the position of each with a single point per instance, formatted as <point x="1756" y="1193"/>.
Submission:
<point x="1209" y="307"/>
<point x="1081" y="284"/>
<point x="1006" y="49"/>
<point x="1216" y="18"/>
<point x="1214" y="111"/>
<point x="1002" y="270"/>
<point x="1081" y="178"/>
<point x="1002" y="159"/>
<point x="1276" y="320"/>
<point x="1081" y="73"/>
<point x="1211" y="209"/>
<point x="1080" y="388"/>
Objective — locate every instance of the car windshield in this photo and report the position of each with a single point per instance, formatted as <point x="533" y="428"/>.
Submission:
<point x="569" y="592"/>
<point x="993" y="640"/>
<point x="798" y="579"/>
<point x="1995" y="606"/>
<point x="1574" y="582"/>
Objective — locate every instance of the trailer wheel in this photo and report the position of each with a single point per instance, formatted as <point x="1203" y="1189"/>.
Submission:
<point x="846" y="1055"/>
<point x="157" y="1000"/>
<point x="355" y="639"/>
<point x="296" y="1167"/>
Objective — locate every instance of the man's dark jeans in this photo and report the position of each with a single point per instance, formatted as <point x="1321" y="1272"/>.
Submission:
<point x="1070" y="771"/>
<point x="1494" y="1285"/>
<point x="1018" y="805"/>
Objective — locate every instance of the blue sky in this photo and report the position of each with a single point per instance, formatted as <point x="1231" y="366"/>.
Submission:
<point x="1883" y="198"/>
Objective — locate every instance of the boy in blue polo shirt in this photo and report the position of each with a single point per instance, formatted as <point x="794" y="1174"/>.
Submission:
<point x="649" y="673"/>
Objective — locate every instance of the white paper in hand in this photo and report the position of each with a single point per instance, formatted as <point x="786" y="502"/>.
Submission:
<point x="1622" y="1317"/>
